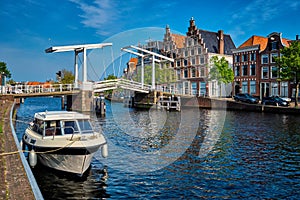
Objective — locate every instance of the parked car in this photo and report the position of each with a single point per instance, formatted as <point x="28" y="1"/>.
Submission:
<point x="287" y="99"/>
<point x="245" y="97"/>
<point x="275" y="101"/>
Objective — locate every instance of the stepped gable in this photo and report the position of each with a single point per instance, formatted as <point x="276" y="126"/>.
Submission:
<point x="215" y="42"/>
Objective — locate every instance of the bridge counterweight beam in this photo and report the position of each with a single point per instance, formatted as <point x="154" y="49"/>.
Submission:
<point x="84" y="66"/>
<point x="153" y="72"/>
<point x="142" y="73"/>
<point x="76" y="70"/>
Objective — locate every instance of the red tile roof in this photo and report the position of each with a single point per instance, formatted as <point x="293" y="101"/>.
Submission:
<point x="178" y="39"/>
<point x="256" y="40"/>
<point x="261" y="41"/>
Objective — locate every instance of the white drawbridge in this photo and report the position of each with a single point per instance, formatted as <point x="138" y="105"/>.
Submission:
<point x="102" y="86"/>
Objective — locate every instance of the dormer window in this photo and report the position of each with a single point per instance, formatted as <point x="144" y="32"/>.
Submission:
<point x="274" y="45"/>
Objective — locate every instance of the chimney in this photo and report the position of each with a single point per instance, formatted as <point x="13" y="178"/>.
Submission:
<point x="221" y="41"/>
<point x="297" y="37"/>
<point x="192" y="22"/>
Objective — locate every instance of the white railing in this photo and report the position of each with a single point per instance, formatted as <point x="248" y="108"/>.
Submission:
<point x="20" y="89"/>
<point x="101" y="86"/>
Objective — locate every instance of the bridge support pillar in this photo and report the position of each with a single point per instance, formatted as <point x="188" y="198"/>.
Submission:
<point x="83" y="101"/>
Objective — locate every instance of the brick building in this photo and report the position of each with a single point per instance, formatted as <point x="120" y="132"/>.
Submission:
<point x="192" y="53"/>
<point x="255" y="69"/>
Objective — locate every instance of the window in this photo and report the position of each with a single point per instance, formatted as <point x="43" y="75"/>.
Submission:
<point x="274" y="45"/>
<point x="85" y="126"/>
<point x="199" y="50"/>
<point x="273" y="56"/>
<point x="185" y="73"/>
<point x="201" y="60"/>
<point x="284" y="89"/>
<point x="245" y="68"/>
<point x="186" y="87"/>
<point x="274" y="72"/>
<point x="190" y="42"/>
<point x="245" y="57"/>
<point x="202" y="72"/>
<point x="253" y="56"/>
<point x="185" y="62"/>
<point x="193" y="61"/>
<point x="178" y="74"/>
<point x="265" y="59"/>
<point x="244" y="86"/>
<point x="252" y="87"/>
<point x="192" y="52"/>
<point x="237" y="58"/>
<point x="178" y="63"/>
<point x="202" y="89"/>
<point x="265" y="72"/>
<point x="237" y="71"/>
<point x="70" y="127"/>
<point x="213" y="88"/>
<point x="186" y="53"/>
<point x="252" y="70"/>
<point x="194" y="88"/>
<point x="193" y="72"/>
<point x="274" y="91"/>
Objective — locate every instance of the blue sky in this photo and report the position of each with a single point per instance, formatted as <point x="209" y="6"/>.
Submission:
<point x="28" y="27"/>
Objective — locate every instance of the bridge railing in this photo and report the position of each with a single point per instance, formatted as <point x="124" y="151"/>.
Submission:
<point x="120" y="83"/>
<point x="19" y="89"/>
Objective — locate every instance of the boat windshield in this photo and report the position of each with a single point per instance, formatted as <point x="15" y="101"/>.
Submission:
<point x="70" y="127"/>
<point x="85" y="126"/>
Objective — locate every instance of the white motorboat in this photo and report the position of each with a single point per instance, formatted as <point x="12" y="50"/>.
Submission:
<point x="63" y="140"/>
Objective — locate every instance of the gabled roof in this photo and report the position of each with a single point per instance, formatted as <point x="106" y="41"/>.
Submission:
<point x="178" y="39"/>
<point x="286" y="42"/>
<point x="255" y="40"/>
<point x="211" y="40"/>
<point x="261" y="41"/>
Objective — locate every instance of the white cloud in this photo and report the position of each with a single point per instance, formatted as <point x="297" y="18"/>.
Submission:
<point x="101" y="14"/>
<point x="258" y="12"/>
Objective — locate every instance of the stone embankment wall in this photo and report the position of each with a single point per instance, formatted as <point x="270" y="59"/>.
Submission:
<point x="14" y="183"/>
<point x="230" y="104"/>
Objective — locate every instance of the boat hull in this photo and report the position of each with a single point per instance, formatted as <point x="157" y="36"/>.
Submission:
<point x="77" y="164"/>
<point x="66" y="158"/>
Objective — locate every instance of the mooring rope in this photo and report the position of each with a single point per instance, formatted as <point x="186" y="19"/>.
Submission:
<point x="44" y="152"/>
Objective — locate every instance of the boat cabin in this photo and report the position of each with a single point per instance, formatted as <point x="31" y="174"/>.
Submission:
<point x="59" y="123"/>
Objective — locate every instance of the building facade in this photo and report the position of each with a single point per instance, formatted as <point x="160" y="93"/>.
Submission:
<point x="192" y="54"/>
<point x="255" y="69"/>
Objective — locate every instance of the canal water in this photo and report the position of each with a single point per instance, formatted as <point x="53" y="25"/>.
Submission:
<point x="192" y="154"/>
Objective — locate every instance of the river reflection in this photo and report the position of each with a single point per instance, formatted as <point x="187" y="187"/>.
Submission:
<point x="182" y="155"/>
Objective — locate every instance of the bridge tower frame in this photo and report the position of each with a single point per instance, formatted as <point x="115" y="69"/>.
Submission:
<point x="147" y="53"/>
<point x="78" y="49"/>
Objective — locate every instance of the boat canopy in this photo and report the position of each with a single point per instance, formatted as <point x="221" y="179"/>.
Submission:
<point x="59" y="115"/>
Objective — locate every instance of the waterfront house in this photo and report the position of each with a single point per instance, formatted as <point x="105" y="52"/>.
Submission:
<point x="255" y="69"/>
<point x="192" y="53"/>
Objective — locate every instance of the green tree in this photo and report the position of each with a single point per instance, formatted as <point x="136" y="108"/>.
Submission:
<point x="4" y="70"/>
<point x="110" y="77"/>
<point x="11" y="82"/>
<point x="67" y="77"/>
<point x="289" y="64"/>
<point x="220" y="71"/>
<point x="162" y="75"/>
